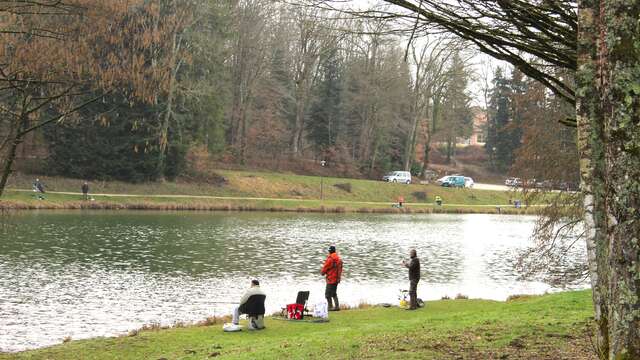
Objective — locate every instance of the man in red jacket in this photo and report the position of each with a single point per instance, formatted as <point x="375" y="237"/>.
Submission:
<point x="332" y="269"/>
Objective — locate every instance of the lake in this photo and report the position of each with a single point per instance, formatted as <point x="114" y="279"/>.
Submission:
<point x="89" y="274"/>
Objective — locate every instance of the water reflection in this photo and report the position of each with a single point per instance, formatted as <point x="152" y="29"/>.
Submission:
<point x="102" y="273"/>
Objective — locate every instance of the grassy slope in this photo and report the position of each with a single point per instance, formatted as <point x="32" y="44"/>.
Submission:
<point x="546" y="327"/>
<point x="291" y="191"/>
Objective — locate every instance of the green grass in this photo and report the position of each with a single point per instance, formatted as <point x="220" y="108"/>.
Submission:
<point x="263" y="190"/>
<point x="546" y="327"/>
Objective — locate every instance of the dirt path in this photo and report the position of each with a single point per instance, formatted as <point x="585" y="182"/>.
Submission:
<point x="210" y="197"/>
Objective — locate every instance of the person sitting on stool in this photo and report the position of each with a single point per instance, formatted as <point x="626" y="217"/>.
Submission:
<point x="241" y="308"/>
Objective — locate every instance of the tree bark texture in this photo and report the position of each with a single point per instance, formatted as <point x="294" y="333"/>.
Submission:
<point x="608" y="116"/>
<point x="619" y="50"/>
<point x="164" y="129"/>
<point x="15" y="136"/>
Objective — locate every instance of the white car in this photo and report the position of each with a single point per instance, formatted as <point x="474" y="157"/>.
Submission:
<point x="398" y="176"/>
<point x="513" y="182"/>
<point x="443" y="179"/>
<point x="468" y="182"/>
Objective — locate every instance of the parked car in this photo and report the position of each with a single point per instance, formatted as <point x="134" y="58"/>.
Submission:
<point x="545" y="184"/>
<point x="566" y="186"/>
<point x="445" y="178"/>
<point x="468" y="182"/>
<point x="454" y="181"/>
<point x="398" y="176"/>
<point x="513" y="182"/>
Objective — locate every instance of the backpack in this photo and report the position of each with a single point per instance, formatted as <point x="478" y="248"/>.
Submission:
<point x="338" y="265"/>
<point x="295" y="311"/>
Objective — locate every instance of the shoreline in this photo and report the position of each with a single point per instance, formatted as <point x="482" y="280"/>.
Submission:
<point x="483" y="332"/>
<point x="25" y="200"/>
<point x="226" y="317"/>
<point x="263" y="191"/>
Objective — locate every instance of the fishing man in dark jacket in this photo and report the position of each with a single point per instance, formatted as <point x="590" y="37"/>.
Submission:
<point x="414" y="277"/>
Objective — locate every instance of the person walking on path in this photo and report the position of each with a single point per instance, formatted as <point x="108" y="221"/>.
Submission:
<point x="85" y="190"/>
<point x="39" y="189"/>
<point x="332" y="270"/>
<point x="414" y="277"/>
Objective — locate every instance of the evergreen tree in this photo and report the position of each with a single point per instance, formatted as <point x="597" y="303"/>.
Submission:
<point x="119" y="145"/>
<point x="507" y="106"/>
<point x="456" y="111"/>
<point x="325" y="124"/>
<point x="497" y="144"/>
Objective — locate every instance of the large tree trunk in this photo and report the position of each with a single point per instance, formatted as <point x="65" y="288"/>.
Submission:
<point x="450" y="145"/>
<point x="619" y="52"/>
<point x="589" y="118"/>
<point x="427" y="150"/>
<point x="410" y="146"/>
<point x="608" y="118"/>
<point x="166" y="121"/>
<point x="15" y="138"/>
<point x="301" y="99"/>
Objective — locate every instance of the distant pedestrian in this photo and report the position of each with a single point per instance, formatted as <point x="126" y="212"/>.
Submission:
<point x="400" y="201"/>
<point x="85" y="190"/>
<point x="332" y="269"/>
<point x="38" y="187"/>
<point x="414" y="277"/>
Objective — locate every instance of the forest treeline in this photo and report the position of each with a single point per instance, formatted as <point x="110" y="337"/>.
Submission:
<point x="143" y="90"/>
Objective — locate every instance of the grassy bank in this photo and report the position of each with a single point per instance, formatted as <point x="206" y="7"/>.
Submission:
<point x="545" y="327"/>
<point x="241" y="190"/>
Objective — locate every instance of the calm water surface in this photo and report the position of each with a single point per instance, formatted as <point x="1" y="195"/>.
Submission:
<point x="88" y="274"/>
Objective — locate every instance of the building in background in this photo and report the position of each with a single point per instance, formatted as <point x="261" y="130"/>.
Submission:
<point x="479" y="135"/>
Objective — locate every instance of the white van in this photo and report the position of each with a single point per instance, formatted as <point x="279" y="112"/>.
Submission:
<point x="468" y="182"/>
<point x="398" y="176"/>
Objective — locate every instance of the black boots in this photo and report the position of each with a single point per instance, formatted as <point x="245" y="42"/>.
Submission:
<point x="330" y="303"/>
<point x="413" y="301"/>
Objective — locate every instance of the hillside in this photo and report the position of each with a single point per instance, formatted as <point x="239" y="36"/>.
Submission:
<point x="245" y="190"/>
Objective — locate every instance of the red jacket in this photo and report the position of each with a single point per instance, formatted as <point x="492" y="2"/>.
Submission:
<point x="332" y="268"/>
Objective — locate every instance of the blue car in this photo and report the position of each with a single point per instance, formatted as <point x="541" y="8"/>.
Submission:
<point x="454" y="181"/>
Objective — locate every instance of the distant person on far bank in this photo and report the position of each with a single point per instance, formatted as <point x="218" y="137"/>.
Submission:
<point x="414" y="277"/>
<point x="85" y="190"/>
<point x="39" y="189"/>
<point x="332" y="270"/>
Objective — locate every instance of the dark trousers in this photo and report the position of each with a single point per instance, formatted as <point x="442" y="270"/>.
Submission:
<point x="413" y="294"/>
<point x="331" y="293"/>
